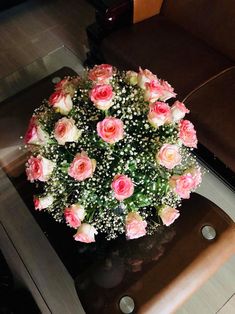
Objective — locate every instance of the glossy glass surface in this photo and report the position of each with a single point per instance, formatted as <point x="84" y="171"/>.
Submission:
<point x="104" y="272"/>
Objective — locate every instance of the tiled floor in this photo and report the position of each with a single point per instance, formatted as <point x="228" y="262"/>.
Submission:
<point x="35" y="29"/>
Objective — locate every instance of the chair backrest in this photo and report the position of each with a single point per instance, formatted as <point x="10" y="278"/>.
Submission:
<point x="211" y="20"/>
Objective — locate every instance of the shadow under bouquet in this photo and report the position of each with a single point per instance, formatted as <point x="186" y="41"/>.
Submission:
<point x="111" y="155"/>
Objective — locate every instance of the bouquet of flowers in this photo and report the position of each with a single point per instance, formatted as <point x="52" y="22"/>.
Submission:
<point x="111" y="155"/>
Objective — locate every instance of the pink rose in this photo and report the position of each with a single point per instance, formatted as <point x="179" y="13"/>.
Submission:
<point x="145" y="76"/>
<point x="61" y="102"/>
<point x="39" y="168"/>
<point x="187" y="133"/>
<point x="122" y="186"/>
<point x="35" y="134"/>
<point x="110" y="130"/>
<point x="85" y="233"/>
<point x="101" y="74"/>
<point x="66" y="131"/>
<point x="135" y="226"/>
<point x="153" y="91"/>
<point x="169" y="156"/>
<point x="43" y="201"/>
<point x="102" y="96"/>
<point x="167" y="91"/>
<point x="132" y="77"/>
<point x="182" y="185"/>
<point x="178" y="111"/>
<point x="82" y="167"/>
<point x="74" y="214"/>
<point x="159" y="114"/>
<point x="197" y="176"/>
<point x="168" y="215"/>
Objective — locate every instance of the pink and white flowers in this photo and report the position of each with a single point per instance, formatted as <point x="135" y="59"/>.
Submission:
<point x="187" y="133"/>
<point x="182" y="185"/>
<point x="74" y="215"/>
<point x="197" y="176"/>
<point x="135" y="226"/>
<point x="111" y="130"/>
<point x="85" y="233"/>
<point x="122" y="186"/>
<point x="61" y="102"/>
<point x="167" y="91"/>
<point x="43" y="202"/>
<point x="178" y="111"/>
<point x="168" y="215"/>
<point x="153" y="91"/>
<point x="66" y="131"/>
<point x="101" y="74"/>
<point x="112" y="154"/>
<point x="145" y="76"/>
<point x="35" y="134"/>
<point x="159" y="114"/>
<point x="102" y="96"/>
<point x="82" y="167"/>
<point x="169" y="156"/>
<point x="39" y="168"/>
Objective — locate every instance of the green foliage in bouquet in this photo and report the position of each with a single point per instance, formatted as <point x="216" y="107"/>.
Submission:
<point x="114" y="157"/>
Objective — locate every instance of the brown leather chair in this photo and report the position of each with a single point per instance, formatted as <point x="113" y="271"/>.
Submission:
<point x="191" y="44"/>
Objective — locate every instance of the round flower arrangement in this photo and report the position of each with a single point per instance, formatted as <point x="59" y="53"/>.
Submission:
<point x="112" y="155"/>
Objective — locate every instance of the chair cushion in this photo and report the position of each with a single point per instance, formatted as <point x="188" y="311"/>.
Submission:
<point x="212" y="21"/>
<point x="166" y="49"/>
<point x="212" y="111"/>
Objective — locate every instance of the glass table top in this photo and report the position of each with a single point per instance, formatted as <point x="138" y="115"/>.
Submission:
<point x="37" y="70"/>
<point x="118" y="264"/>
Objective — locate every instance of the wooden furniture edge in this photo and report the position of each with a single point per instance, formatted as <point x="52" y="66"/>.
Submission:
<point x="41" y="271"/>
<point x="173" y="296"/>
<point x="143" y="9"/>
